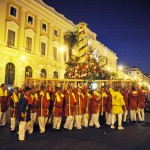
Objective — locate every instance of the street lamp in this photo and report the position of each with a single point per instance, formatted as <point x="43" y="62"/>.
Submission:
<point x="62" y="49"/>
<point x="23" y="57"/>
<point x="120" y="67"/>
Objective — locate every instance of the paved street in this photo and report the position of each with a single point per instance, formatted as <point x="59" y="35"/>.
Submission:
<point x="134" y="137"/>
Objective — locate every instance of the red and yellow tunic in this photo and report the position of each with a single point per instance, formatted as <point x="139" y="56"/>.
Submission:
<point x="43" y="104"/>
<point x="126" y="98"/>
<point x="70" y="102"/>
<point x="58" y="105"/>
<point x="3" y="100"/>
<point x="133" y="100"/>
<point x="141" y="99"/>
<point x="81" y="103"/>
<point x="34" y="103"/>
<point x="109" y="102"/>
<point x="95" y="102"/>
<point x="103" y="103"/>
<point x="14" y="105"/>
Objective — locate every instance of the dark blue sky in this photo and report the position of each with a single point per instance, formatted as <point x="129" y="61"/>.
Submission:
<point x="121" y="25"/>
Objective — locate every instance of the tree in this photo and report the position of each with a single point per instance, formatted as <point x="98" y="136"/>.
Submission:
<point x="71" y="39"/>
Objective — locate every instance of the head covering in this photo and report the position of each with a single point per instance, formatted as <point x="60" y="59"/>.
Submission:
<point x="27" y="88"/>
<point x="58" y="88"/>
<point x="133" y="88"/>
<point x="16" y="88"/>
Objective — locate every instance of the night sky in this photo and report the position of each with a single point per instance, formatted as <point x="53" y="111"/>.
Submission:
<point x="121" y="25"/>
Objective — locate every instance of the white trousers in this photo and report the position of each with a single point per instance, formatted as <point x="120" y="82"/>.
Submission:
<point x="119" y="119"/>
<point x="69" y="122"/>
<point x="23" y="127"/>
<point x="108" y="118"/>
<point x="2" y="118"/>
<point x="133" y="115"/>
<point x="12" y="124"/>
<point x="33" y="119"/>
<point x="94" y="120"/>
<point x="85" y="120"/>
<point x="57" y="122"/>
<point x="42" y="123"/>
<point x="125" y="113"/>
<point x="78" y="121"/>
<point x="141" y="114"/>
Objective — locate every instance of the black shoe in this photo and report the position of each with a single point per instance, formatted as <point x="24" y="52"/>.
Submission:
<point x="65" y="129"/>
<point x="13" y="131"/>
<point x="22" y="141"/>
<point x="54" y="130"/>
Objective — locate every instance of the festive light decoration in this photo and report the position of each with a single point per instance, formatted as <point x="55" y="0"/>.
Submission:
<point x="87" y="64"/>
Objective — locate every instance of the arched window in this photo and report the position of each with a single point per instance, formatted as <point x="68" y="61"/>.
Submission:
<point x="28" y="72"/>
<point x="10" y="74"/>
<point x="43" y="73"/>
<point x="55" y="76"/>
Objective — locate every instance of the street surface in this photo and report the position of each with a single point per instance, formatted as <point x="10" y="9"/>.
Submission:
<point x="135" y="136"/>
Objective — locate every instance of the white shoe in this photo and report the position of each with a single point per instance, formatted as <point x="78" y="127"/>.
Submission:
<point x="120" y="128"/>
<point x="112" y="127"/>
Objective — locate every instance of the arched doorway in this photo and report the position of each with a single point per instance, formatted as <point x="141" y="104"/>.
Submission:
<point x="10" y="74"/>
<point x="43" y="73"/>
<point x="55" y="76"/>
<point x="28" y="72"/>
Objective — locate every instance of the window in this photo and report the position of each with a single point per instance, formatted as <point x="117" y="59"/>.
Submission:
<point x="43" y="73"/>
<point x="56" y="32"/>
<point x="30" y="20"/>
<point x="28" y="72"/>
<point x="55" y="53"/>
<point x="43" y="26"/>
<point x="11" y="38"/>
<point x="28" y="44"/>
<point x="13" y="11"/>
<point x="55" y="75"/>
<point x="10" y="74"/>
<point x="43" y="48"/>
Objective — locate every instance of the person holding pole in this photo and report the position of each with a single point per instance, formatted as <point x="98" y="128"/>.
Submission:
<point x="43" y="108"/>
<point x="117" y="107"/>
<point x="14" y="108"/>
<point x="96" y="96"/>
<point x="133" y="100"/>
<point x="70" y="103"/>
<point x="3" y="104"/>
<point x="24" y="113"/>
<point x="141" y="104"/>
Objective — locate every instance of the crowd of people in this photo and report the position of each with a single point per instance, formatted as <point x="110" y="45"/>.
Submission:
<point x="81" y="107"/>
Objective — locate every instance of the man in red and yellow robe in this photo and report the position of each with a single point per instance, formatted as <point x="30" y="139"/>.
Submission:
<point x="96" y="96"/>
<point x="3" y="104"/>
<point x="80" y="107"/>
<point x="58" y="106"/>
<point x="43" y="108"/>
<point x="141" y="104"/>
<point x="133" y="97"/>
<point x="124" y="93"/>
<point x="14" y="108"/>
<point x="70" y="102"/>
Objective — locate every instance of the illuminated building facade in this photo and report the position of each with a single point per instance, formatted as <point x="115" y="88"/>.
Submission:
<point x="31" y="34"/>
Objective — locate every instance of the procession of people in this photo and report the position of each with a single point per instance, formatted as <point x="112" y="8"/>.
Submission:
<point x="69" y="105"/>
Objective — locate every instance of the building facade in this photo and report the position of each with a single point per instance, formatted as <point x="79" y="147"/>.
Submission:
<point x="138" y="76"/>
<point x="31" y="36"/>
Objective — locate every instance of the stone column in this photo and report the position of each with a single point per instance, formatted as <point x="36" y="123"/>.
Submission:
<point x="37" y="36"/>
<point x="50" y="42"/>
<point x="22" y="29"/>
<point x="61" y="53"/>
